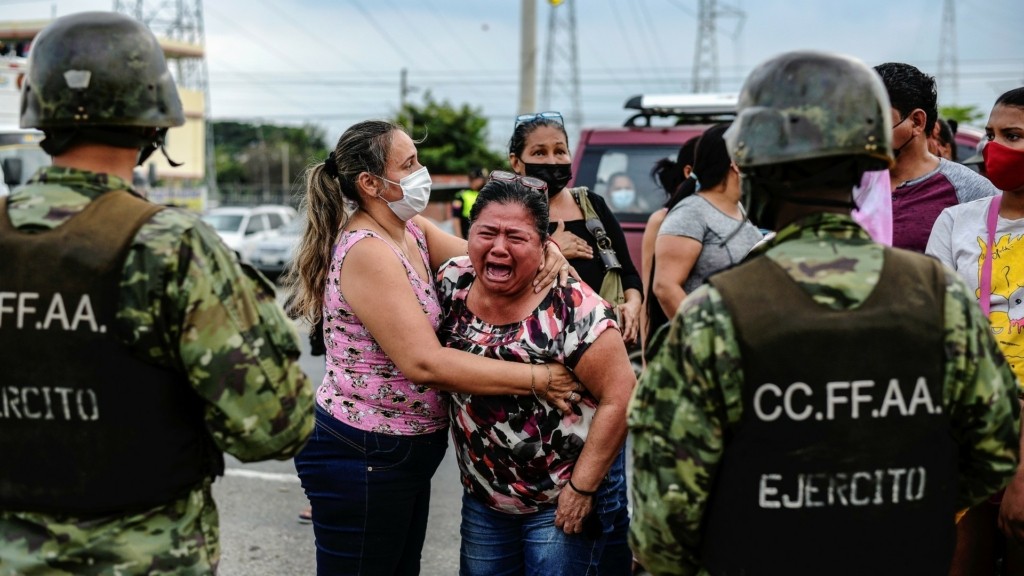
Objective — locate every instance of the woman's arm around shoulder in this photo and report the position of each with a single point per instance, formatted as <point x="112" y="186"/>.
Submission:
<point x="377" y="287"/>
<point x="441" y="246"/>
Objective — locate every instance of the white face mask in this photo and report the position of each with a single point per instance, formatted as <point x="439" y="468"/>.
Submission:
<point x="415" y="194"/>
<point x="622" y="197"/>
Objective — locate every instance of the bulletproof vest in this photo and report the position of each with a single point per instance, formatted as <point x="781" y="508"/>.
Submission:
<point x="843" y="461"/>
<point x="86" y="428"/>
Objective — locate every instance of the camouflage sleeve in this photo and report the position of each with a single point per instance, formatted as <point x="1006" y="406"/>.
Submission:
<point x="219" y="324"/>
<point x="980" y="393"/>
<point x="676" y="419"/>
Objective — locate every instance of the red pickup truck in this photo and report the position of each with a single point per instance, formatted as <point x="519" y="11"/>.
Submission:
<point x="659" y="125"/>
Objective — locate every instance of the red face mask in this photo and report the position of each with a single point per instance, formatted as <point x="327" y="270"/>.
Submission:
<point x="1004" y="166"/>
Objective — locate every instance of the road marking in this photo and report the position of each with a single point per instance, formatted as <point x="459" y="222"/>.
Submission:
<point x="257" y="475"/>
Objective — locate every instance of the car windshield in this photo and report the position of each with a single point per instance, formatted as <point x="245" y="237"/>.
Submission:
<point x="621" y="169"/>
<point x="224" y="222"/>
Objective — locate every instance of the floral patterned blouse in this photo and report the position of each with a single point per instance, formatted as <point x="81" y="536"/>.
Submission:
<point x="362" y="387"/>
<point x="515" y="452"/>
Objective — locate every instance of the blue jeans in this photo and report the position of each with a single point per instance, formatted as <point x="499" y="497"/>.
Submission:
<point x="501" y="544"/>
<point x="370" y="495"/>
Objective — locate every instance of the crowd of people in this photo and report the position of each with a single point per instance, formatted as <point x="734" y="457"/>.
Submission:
<point x="837" y="396"/>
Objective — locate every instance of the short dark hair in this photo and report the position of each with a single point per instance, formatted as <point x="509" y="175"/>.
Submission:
<point x="524" y="129"/>
<point x="513" y="193"/>
<point x="1013" y="97"/>
<point x="909" y="89"/>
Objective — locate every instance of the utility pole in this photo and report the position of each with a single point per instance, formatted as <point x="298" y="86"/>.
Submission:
<point x="561" y="45"/>
<point x="403" y="88"/>
<point x="948" y="76"/>
<point x="286" y="173"/>
<point x="705" y="56"/>
<point x="528" y="57"/>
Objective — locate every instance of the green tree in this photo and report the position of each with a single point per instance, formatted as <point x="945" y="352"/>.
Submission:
<point x="454" y="139"/>
<point x="962" y="114"/>
<point x="265" y="154"/>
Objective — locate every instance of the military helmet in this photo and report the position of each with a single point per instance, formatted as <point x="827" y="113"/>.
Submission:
<point x="95" y="69"/>
<point x="807" y="105"/>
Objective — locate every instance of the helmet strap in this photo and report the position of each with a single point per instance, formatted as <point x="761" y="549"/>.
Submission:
<point x="156" y="143"/>
<point x="146" y="140"/>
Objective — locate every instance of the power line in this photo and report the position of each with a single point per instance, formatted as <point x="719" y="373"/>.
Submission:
<point x="383" y="32"/>
<point x="443" y="24"/>
<point x="625" y="37"/>
<point x="680" y="5"/>
<point x="305" y="32"/>
<point x="655" y="37"/>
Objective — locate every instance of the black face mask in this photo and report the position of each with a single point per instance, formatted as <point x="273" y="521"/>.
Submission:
<point x="555" y="175"/>
<point x="896" y="151"/>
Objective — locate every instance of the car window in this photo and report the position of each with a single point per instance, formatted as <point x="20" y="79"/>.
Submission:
<point x="625" y="167"/>
<point x="257" y="223"/>
<point x="275" y="220"/>
<point x="294" y="227"/>
<point x="224" y="222"/>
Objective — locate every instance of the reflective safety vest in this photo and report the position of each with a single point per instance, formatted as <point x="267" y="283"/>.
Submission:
<point x="468" y="198"/>
<point x="86" y="428"/>
<point x="843" y="461"/>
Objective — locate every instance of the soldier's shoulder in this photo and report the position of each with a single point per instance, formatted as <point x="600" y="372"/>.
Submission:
<point x="172" y="225"/>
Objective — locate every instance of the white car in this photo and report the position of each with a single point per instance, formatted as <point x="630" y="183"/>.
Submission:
<point x="273" y="255"/>
<point x="242" y="227"/>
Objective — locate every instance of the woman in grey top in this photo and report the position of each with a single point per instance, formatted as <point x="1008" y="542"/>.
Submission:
<point x="706" y="231"/>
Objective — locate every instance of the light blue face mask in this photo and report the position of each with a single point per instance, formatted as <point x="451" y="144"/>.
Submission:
<point x="622" y="198"/>
<point x="415" y="194"/>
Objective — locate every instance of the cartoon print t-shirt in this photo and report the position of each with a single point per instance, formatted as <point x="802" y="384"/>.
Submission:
<point x="959" y="239"/>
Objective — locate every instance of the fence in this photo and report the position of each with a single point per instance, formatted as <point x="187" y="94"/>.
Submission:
<point x="255" y="195"/>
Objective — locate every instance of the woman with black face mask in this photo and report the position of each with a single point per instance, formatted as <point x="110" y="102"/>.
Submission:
<point x="596" y="247"/>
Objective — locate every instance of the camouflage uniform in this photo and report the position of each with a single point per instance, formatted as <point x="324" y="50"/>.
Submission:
<point x="678" y="409"/>
<point x="186" y="306"/>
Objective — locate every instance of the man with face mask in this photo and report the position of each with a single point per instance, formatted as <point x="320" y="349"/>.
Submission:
<point x="923" y="184"/>
<point x="136" y="349"/>
<point x="780" y="438"/>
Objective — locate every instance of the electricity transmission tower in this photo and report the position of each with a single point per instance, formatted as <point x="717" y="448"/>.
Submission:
<point x="948" y="76"/>
<point x="705" y="56"/>
<point x="182" y="22"/>
<point x="562" y="61"/>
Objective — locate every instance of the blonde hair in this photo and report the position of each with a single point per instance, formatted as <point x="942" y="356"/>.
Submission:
<point x="329" y="201"/>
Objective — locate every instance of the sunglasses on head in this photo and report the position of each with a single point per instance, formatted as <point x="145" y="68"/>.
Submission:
<point x="528" y="181"/>
<point x="554" y="116"/>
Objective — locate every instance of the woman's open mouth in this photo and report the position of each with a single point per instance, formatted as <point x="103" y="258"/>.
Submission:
<point x="498" y="271"/>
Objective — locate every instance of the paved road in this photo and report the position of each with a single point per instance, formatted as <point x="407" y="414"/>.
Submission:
<point x="259" y="505"/>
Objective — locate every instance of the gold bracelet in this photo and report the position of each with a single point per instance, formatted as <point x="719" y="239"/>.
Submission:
<point x="548" y="386"/>
<point x="533" y="384"/>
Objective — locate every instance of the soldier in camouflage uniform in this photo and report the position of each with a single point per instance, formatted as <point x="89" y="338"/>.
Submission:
<point x="826" y="406"/>
<point x="136" y="349"/>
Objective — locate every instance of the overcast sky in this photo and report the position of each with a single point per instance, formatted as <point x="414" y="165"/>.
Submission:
<point x="335" y="62"/>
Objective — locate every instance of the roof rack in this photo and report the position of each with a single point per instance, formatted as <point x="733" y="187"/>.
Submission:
<point x="685" y="108"/>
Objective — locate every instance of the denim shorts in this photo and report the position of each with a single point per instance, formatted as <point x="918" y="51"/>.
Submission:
<point x="370" y="495"/>
<point x="501" y="544"/>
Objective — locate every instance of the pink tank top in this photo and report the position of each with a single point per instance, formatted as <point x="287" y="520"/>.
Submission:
<point x="362" y="387"/>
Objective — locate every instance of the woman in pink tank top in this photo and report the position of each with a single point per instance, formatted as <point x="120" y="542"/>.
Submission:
<point x="365" y="267"/>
